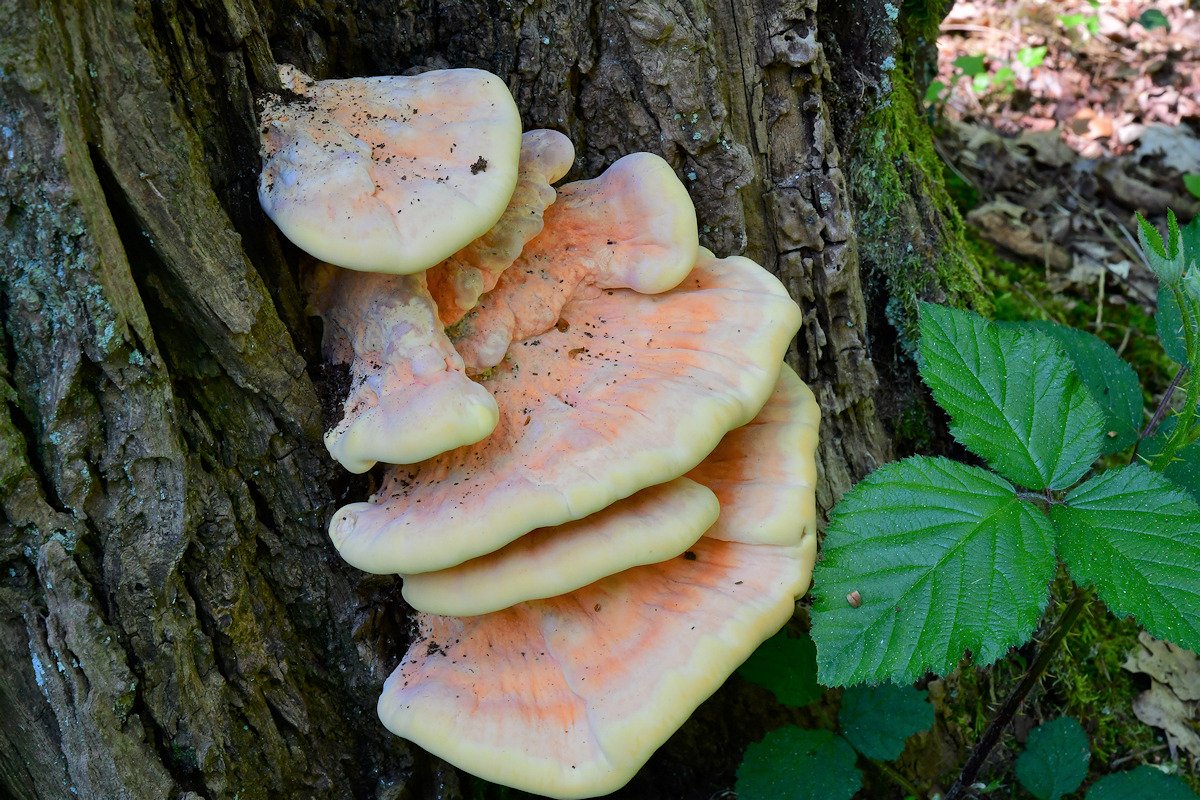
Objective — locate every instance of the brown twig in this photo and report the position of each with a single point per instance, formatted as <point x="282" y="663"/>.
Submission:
<point x="995" y="729"/>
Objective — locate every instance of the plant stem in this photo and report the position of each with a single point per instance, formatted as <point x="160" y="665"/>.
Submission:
<point x="1159" y="412"/>
<point x="894" y="775"/>
<point x="995" y="729"/>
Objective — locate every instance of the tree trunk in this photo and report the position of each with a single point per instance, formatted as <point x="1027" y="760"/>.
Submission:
<point x="173" y="620"/>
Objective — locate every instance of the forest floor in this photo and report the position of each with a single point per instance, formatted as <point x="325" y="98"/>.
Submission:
<point x="1057" y="121"/>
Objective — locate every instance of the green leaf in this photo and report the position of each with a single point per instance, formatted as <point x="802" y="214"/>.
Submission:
<point x="1152" y="18"/>
<point x="1143" y="783"/>
<point x="1005" y="77"/>
<point x="1109" y="378"/>
<point x="1189" y="241"/>
<point x="1055" y="760"/>
<point x="944" y="558"/>
<point x="1013" y="397"/>
<point x="1191" y="182"/>
<point x="1169" y="321"/>
<point x="1164" y="258"/>
<point x="970" y="65"/>
<point x="1031" y="56"/>
<point x="787" y="666"/>
<point x="934" y="93"/>
<point x="1135" y="536"/>
<point x="1184" y="469"/>
<point x="796" y="764"/>
<point x="1072" y="20"/>
<point x="878" y="720"/>
<point x="980" y="83"/>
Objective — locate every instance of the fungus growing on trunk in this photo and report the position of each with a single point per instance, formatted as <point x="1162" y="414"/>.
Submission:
<point x="410" y="398"/>
<point x="766" y="504"/>
<point x="580" y="689"/>
<point x="383" y="174"/>
<point x="589" y="414"/>
<point x="619" y="504"/>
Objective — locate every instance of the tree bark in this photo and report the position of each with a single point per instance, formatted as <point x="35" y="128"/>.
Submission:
<point x="173" y="620"/>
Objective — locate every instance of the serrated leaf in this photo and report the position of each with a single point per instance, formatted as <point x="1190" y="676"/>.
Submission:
<point x="1135" y="536"/>
<point x="1152" y="18"/>
<point x="1108" y="377"/>
<point x="787" y="666"/>
<point x="1055" y="760"/>
<point x="796" y="764"/>
<point x="1013" y="397"/>
<point x="970" y="65"/>
<point x="877" y="720"/>
<point x="1163" y="256"/>
<point x="1143" y="783"/>
<point x="944" y="557"/>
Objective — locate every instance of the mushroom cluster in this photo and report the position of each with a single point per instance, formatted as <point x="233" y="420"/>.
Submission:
<point x="599" y="489"/>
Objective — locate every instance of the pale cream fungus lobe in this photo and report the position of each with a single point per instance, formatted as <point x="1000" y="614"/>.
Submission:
<point x="376" y="174"/>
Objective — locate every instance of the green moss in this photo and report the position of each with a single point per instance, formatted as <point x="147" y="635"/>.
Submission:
<point x="910" y="229"/>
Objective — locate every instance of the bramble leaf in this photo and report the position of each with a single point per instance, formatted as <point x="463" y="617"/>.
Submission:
<point x="1013" y="397"/>
<point x="1055" y="760"/>
<point x="943" y="557"/>
<point x="1143" y="783"/>
<point x="787" y="665"/>
<point x="1112" y="382"/>
<point x="1135" y="536"/>
<point x="878" y="720"/>
<point x="796" y="764"/>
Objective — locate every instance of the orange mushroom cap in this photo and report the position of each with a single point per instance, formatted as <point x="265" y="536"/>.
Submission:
<point x="409" y="397"/>
<point x="389" y="174"/>
<point x="764" y="474"/>
<point x="628" y="390"/>
<point x="568" y="697"/>
<point x="457" y="283"/>
<point x="650" y="526"/>
<point x="633" y="227"/>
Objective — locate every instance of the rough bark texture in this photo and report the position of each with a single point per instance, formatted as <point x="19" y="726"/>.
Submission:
<point x="173" y="621"/>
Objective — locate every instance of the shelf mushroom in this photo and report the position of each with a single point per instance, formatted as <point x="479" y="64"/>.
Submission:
<point x="589" y="414"/>
<point x="764" y="504"/>
<point x="389" y="174"/>
<point x="567" y="697"/>
<point x="409" y="397"/>
<point x="599" y="467"/>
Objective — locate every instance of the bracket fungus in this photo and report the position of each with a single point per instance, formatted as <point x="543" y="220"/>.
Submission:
<point x="600" y="483"/>
<point x="589" y="414"/>
<point x="580" y="689"/>
<point x="388" y="174"/>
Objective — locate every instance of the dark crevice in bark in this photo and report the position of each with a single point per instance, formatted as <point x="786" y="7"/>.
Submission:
<point x="23" y="425"/>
